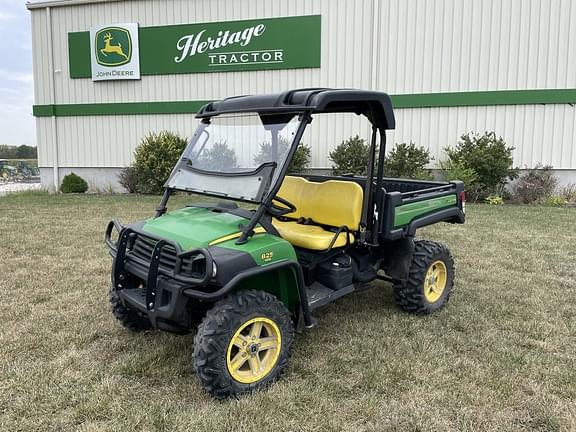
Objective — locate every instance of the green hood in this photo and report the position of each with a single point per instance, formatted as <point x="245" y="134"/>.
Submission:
<point x="194" y="227"/>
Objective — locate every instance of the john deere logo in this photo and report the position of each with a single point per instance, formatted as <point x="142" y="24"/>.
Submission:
<point x="115" y="52"/>
<point x="113" y="46"/>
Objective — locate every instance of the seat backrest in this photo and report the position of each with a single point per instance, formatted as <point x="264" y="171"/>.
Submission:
<point x="333" y="202"/>
<point x="291" y="190"/>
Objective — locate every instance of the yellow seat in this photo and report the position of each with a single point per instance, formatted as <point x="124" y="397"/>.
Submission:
<point x="309" y="236"/>
<point x="332" y="203"/>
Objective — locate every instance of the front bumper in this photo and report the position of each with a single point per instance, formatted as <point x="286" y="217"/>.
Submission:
<point x="150" y="274"/>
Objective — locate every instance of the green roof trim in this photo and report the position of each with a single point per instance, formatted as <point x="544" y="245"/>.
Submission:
<point x="485" y="98"/>
<point x="420" y="100"/>
<point x="125" y="108"/>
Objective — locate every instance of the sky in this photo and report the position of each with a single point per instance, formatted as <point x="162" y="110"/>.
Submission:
<point x="17" y="125"/>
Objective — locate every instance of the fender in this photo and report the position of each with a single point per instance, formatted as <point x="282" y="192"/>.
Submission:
<point x="239" y="277"/>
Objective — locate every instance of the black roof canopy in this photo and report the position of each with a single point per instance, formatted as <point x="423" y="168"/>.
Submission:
<point x="377" y="106"/>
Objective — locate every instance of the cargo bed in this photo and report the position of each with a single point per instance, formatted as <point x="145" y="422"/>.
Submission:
<point x="405" y="205"/>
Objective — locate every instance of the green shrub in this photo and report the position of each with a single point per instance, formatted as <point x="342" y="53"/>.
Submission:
<point x="219" y="157"/>
<point x="555" y="201"/>
<point x="408" y="161"/>
<point x="535" y="186"/>
<point x="300" y="161"/>
<point x="489" y="157"/>
<point x="350" y="157"/>
<point x="494" y="200"/>
<point x="154" y="159"/>
<point x="128" y="178"/>
<point x="73" y="183"/>
<point x="458" y="171"/>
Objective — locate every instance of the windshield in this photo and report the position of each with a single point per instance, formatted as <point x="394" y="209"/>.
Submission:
<point x="241" y="143"/>
<point x="251" y="146"/>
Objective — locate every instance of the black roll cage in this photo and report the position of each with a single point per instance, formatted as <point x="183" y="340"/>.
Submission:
<point x="375" y="106"/>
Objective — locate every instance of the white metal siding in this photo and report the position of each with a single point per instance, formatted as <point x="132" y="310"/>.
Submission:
<point x="40" y="41"/>
<point x="109" y="141"/>
<point x="540" y="133"/>
<point x="469" y="45"/>
<point x="398" y="46"/>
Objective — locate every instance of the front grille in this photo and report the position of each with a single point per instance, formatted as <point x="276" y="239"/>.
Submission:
<point x="142" y="248"/>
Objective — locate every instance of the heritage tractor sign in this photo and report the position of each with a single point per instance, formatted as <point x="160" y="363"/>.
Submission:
<point x="122" y="51"/>
<point x="192" y="44"/>
<point x="114" y="52"/>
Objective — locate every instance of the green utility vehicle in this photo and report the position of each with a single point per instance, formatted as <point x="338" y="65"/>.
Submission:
<point x="250" y="277"/>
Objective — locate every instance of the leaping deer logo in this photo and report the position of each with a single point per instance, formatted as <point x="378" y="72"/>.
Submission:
<point x="112" y="49"/>
<point x="113" y="46"/>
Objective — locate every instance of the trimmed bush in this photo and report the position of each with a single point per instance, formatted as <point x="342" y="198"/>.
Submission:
<point x="73" y="183"/>
<point x="300" y="161"/>
<point x="491" y="160"/>
<point x="350" y="157"/>
<point x="408" y="161"/>
<point x="154" y="159"/>
<point x="535" y="186"/>
<point x="455" y="170"/>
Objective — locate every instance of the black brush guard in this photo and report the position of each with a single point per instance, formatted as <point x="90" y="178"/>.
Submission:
<point x="152" y="269"/>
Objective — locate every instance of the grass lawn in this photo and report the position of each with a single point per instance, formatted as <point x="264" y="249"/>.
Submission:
<point x="500" y="356"/>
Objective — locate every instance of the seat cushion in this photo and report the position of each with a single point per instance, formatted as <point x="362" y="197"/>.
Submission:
<point x="309" y="236"/>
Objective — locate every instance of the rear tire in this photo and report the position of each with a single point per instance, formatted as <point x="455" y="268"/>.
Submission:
<point x="229" y="357"/>
<point x="430" y="279"/>
<point x="129" y="318"/>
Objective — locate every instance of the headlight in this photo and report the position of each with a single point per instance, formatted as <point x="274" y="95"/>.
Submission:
<point x="214" y="269"/>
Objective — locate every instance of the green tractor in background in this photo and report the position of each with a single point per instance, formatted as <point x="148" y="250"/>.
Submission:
<point x="19" y="170"/>
<point x="7" y="172"/>
<point x="251" y="277"/>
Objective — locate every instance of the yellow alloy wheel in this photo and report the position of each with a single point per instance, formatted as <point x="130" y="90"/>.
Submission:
<point x="253" y="350"/>
<point x="435" y="281"/>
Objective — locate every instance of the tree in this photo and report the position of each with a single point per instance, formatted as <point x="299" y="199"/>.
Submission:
<point x="26" y="152"/>
<point x="18" y="152"/>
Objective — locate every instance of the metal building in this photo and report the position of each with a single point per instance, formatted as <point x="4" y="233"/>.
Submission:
<point x="452" y="66"/>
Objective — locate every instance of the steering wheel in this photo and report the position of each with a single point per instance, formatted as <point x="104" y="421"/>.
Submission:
<point x="276" y="210"/>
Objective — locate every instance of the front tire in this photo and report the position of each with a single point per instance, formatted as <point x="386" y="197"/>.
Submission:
<point x="430" y="279"/>
<point x="129" y="318"/>
<point x="243" y="343"/>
